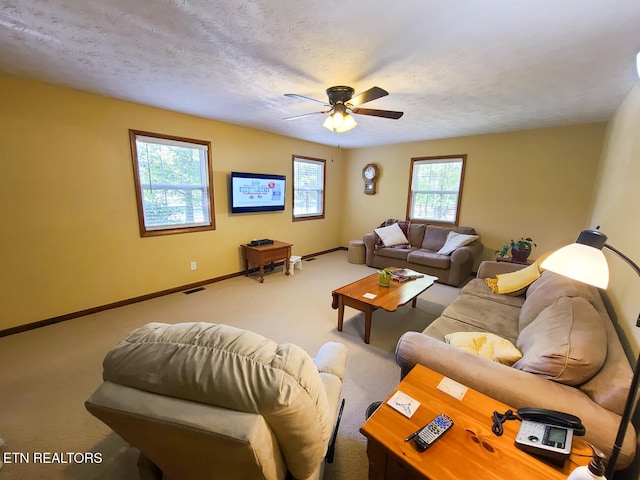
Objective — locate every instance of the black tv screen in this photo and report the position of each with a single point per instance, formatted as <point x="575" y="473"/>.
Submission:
<point x="257" y="192"/>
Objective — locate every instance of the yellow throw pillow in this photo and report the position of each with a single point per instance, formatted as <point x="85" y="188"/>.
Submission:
<point x="515" y="283"/>
<point x="486" y="345"/>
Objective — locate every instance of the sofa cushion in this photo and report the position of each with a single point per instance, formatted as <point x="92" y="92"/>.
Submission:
<point x="429" y="259"/>
<point x="550" y="286"/>
<point x="486" y="345"/>
<point x="434" y="237"/>
<point x="456" y="240"/>
<point x="483" y="315"/>
<point x="479" y="288"/>
<point x="416" y="234"/>
<point x="392" y="252"/>
<point x="566" y="343"/>
<point x="392" y="235"/>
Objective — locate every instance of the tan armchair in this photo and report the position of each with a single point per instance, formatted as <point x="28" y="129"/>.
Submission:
<point x="207" y="401"/>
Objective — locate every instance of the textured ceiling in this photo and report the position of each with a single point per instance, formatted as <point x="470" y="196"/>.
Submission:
<point x="456" y="67"/>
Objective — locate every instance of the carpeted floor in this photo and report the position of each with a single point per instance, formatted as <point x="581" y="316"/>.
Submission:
<point x="47" y="373"/>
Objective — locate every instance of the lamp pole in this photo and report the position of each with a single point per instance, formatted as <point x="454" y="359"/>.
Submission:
<point x="633" y="388"/>
<point x="577" y="261"/>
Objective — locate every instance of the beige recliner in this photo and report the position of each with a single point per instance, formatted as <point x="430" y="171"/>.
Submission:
<point x="208" y="401"/>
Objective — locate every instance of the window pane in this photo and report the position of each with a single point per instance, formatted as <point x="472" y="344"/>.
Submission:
<point x="173" y="190"/>
<point x="435" y="189"/>
<point x="308" y="187"/>
<point x="307" y="203"/>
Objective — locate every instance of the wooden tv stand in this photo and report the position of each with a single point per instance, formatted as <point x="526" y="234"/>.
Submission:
<point x="260" y="255"/>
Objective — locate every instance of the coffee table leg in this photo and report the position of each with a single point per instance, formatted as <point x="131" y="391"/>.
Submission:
<point x="340" y="312"/>
<point x="413" y="302"/>
<point x="367" y="325"/>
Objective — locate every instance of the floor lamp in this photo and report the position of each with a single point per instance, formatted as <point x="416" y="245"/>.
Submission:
<point x="585" y="262"/>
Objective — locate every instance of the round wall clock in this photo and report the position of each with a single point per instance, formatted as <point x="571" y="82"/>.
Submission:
<point x="370" y="176"/>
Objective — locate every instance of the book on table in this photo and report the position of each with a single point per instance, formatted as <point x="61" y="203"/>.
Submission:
<point x="404" y="274"/>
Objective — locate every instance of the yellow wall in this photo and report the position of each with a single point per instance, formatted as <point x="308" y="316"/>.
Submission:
<point x="70" y="238"/>
<point x="616" y="205"/>
<point x="70" y="231"/>
<point x="533" y="183"/>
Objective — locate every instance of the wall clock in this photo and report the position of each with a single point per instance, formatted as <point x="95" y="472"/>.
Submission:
<point x="370" y="176"/>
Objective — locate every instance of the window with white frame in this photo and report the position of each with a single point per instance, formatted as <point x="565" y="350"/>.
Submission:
<point x="174" y="185"/>
<point x="436" y="189"/>
<point x="308" y="188"/>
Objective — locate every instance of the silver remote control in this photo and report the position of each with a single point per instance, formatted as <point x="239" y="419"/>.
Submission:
<point x="432" y="431"/>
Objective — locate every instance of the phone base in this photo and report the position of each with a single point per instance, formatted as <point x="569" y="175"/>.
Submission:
<point x="557" y="459"/>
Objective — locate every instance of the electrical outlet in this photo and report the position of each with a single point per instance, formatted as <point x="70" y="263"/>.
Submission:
<point x="194" y="266"/>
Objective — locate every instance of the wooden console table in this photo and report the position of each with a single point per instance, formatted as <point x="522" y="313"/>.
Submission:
<point x="469" y="450"/>
<point x="260" y="255"/>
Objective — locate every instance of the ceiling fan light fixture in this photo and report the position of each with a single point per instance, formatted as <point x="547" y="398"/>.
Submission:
<point x="348" y="123"/>
<point x="339" y="122"/>
<point x="342" y="104"/>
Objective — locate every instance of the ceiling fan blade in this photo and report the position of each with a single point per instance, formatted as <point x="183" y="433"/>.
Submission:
<point x="306" y="99"/>
<point x="378" y="113"/>
<point x="368" y="95"/>
<point x="295" y="117"/>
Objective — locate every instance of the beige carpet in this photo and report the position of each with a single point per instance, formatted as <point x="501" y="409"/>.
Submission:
<point x="46" y="374"/>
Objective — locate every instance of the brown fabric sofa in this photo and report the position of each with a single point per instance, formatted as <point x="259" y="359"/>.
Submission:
<point x="556" y="314"/>
<point x="421" y="253"/>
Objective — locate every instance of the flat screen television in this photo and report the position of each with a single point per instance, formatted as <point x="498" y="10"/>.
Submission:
<point x="257" y="192"/>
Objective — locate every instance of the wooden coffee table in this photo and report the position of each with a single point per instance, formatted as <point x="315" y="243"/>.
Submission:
<point x="387" y="298"/>
<point x="469" y="450"/>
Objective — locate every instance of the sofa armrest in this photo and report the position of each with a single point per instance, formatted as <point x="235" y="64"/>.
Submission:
<point x="514" y="387"/>
<point x="490" y="268"/>
<point x="466" y="252"/>
<point x="369" y="240"/>
<point x="332" y="358"/>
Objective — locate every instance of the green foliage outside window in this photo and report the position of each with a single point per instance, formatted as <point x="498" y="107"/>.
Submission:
<point x="173" y="189"/>
<point x="172" y="182"/>
<point x="435" y="189"/>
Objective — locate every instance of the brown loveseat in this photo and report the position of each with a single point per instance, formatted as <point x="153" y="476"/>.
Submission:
<point x="421" y="253"/>
<point x="573" y="360"/>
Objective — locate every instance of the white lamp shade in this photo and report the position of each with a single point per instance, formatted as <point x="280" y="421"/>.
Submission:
<point x="347" y="124"/>
<point x="339" y="122"/>
<point x="579" y="262"/>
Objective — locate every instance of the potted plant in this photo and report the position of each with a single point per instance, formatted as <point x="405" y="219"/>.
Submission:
<point x="384" y="277"/>
<point x="520" y="249"/>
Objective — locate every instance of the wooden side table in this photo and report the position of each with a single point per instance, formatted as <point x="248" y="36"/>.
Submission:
<point x="511" y="260"/>
<point x="260" y="255"/>
<point x="469" y="450"/>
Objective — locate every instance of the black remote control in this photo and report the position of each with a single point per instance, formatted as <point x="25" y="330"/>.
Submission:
<point x="432" y="431"/>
